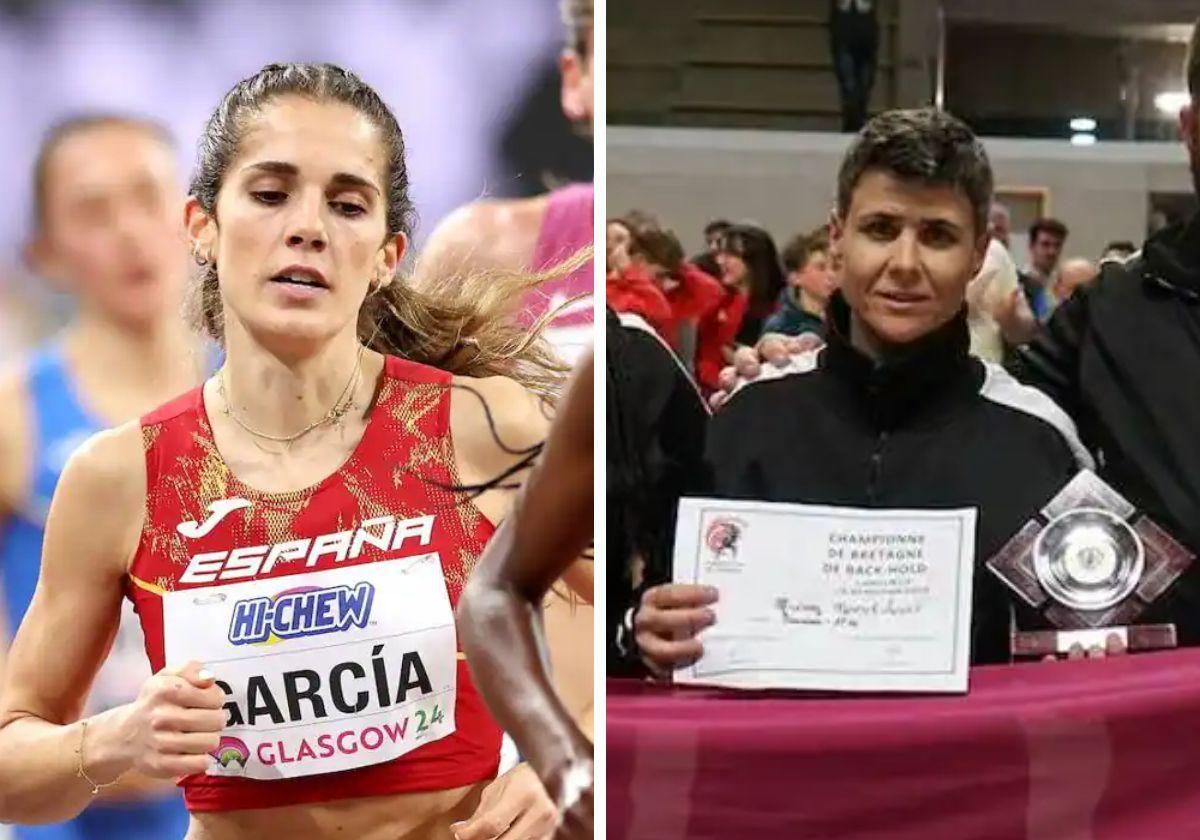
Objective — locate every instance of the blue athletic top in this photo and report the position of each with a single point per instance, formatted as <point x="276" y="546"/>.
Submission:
<point x="59" y="424"/>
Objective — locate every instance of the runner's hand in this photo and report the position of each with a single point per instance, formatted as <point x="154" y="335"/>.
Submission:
<point x="514" y="806"/>
<point x="175" y="722"/>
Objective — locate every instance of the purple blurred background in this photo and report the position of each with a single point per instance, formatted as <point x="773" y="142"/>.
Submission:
<point x="474" y="84"/>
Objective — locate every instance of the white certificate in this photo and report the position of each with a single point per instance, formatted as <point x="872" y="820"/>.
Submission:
<point x="828" y="598"/>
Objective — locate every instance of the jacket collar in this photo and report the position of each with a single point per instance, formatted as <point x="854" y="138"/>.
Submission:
<point x="924" y="380"/>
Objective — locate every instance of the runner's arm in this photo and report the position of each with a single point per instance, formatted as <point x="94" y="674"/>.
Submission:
<point x="549" y="526"/>
<point x="14" y="470"/>
<point x="91" y="532"/>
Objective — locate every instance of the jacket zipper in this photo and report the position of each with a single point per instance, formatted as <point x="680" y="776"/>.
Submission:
<point x="875" y="479"/>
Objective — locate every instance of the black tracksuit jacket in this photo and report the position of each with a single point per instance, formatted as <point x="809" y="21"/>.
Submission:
<point x="936" y="429"/>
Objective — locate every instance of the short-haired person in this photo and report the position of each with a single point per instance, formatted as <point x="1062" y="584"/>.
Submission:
<point x="1046" y="239"/>
<point x="810" y="282"/>
<point x="894" y="412"/>
<point x="1119" y="357"/>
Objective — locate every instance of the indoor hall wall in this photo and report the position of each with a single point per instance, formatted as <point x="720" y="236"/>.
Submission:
<point x="785" y="181"/>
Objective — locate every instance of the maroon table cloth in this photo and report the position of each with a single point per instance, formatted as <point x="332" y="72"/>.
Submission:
<point x="1090" y="750"/>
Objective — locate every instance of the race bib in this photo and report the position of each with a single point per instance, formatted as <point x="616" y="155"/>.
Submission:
<point x="323" y="672"/>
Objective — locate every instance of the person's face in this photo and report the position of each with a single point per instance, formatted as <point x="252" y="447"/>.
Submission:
<point x="578" y="96"/>
<point x="733" y="269"/>
<point x="905" y="252"/>
<point x="816" y="279"/>
<point x="110" y="231"/>
<point x="714" y="241"/>
<point x="998" y="225"/>
<point x="300" y="232"/>
<point x="1045" y="251"/>
<point x="616" y="246"/>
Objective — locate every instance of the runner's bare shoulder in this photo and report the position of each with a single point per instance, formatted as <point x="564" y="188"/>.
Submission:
<point x="102" y="493"/>
<point x="485" y="235"/>
<point x="495" y="424"/>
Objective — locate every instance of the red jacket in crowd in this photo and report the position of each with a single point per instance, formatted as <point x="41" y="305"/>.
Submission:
<point x="718" y="331"/>
<point x="635" y="290"/>
<point x="694" y="295"/>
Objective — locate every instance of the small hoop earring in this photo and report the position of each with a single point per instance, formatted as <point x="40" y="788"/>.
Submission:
<point x="200" y="259"/>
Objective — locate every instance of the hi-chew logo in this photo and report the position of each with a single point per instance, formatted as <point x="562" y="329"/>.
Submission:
<point x="303" y="611"/>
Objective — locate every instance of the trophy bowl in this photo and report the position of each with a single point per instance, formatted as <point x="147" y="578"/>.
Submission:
<point x="1090" y="563"/>
<point x="1088" y="559"/>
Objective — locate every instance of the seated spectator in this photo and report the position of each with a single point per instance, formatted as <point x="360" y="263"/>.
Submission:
<point x="810" y="282"/>
<point x="654" y="254"/>
<point x="617" y="237"/>
<point x="750" y="265"/>
<point x="893" y="413"/>
<point x="706" y="260"/>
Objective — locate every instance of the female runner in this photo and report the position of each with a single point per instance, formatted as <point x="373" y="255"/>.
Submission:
<point x="287" y="532"/>
<point x="106" y="230"/>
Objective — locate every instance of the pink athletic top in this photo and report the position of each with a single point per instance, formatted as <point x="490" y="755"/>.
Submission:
<point x="566" y="227"/>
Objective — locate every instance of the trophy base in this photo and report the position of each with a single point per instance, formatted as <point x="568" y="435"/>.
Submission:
<point x="1134" y="637"/>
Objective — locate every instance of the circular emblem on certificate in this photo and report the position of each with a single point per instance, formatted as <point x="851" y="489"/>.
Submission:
<point x="1088" y="559"/>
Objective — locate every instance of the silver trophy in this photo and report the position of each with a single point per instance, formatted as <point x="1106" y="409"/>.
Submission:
<point x="1091" y="563"/>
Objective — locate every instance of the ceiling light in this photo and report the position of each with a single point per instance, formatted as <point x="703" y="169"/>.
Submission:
<point x="1083" y="124"/>
<point x="1169" y="102"/>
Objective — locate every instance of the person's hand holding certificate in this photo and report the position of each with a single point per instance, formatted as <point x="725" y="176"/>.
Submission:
<point x="816" y="597"/>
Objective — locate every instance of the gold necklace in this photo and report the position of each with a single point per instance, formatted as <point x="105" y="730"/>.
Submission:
<point x="344" y="404"/>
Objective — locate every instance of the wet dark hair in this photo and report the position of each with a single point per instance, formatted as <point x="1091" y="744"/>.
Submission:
<point x="1047" y="225"/>
<point x="757" y="249"/>
<point x="65" y="129"/>
<point x="468" y="327"/>
<point x="924" y="145"/>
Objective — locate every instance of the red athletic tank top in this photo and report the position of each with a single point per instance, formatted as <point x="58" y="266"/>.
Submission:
<point x="326" y="615"/>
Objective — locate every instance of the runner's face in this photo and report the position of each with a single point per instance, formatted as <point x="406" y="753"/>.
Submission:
<point x="577" y="89"/>
<point x="301" y="231"/>
<point x="110" y="231"/>
<point x="905" y="252"/>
